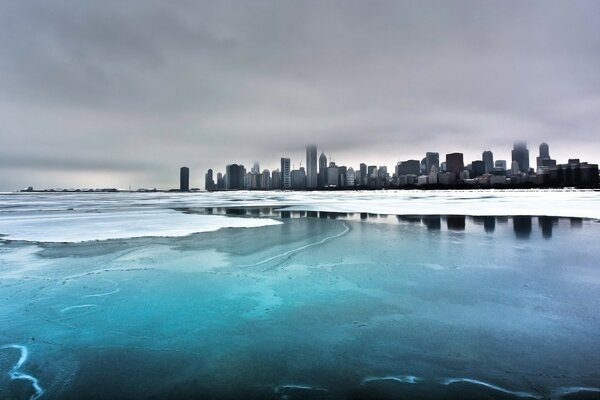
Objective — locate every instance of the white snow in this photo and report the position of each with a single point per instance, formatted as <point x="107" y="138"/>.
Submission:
<point x="81" y="226"/>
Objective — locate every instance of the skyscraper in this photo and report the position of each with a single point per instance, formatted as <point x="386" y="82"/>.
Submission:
<point x="233" y="174"/>
<point x="488" y="159"/>
<point x="520" y="154"/>
<point x="363" y="175"/>
<point x="286" y="179"/>
<point x="544" y="155"/>
<point x="184" y="179"/>
<point x="432" y="159"/>
<point x="209" y="183"/>
<point x="455" y="163"/>
<point x="350" y="177"/>
<point x="322" y="170"/>
<point x="311" y="167"/>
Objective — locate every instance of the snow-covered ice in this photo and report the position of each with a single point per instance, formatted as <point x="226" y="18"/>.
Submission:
<point x="290" y="295"/>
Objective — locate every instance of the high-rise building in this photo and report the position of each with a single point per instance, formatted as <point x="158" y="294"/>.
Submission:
<point x="276" y="179"/>
<point x="432" y="159"/>
<point x="500" y="164"/>
<point x="255" y="168"/>
<point x="220" y="181"/>
<point x="265" y="180"/>
<point x="408" y="167"/>
<point x="477" y="168"/>
<point x="234" y="177"/>
<point x="322" y="170"/>
<point x="298" y="178"/>
<point x="184" y="179"/>
<point x="312" y="176"/>
<point x="332" y="175"/>
<point x="423" y="167"/>
<point x="455" y="163"/>
<point x="286" y="179"/>
<point x="544" y="159"/>
<point x="209" y="182"/>
<point x="488" y="160"/>
<point x="350" y="177"/>
<point x="363" y="175"/>
<point x="520" y="154"/>
<point x="342" y="176"/>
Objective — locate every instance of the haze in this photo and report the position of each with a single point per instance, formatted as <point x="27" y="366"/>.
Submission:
<point x="119" y="93"/>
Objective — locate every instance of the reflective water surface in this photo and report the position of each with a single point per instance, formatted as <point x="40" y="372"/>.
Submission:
<point x="323" y="306"/>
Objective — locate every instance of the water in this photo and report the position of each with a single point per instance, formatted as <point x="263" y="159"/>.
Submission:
<point x="312" y="305"/>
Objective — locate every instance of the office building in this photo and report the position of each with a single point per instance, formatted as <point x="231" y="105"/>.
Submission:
<point x="312" y="176"/>
<point x="432" y="159"/>
<point x="298" y="179"/>
<point x="209" y="183"/>
<point x="455" y="163"/>
<point x="520" y="154"/>
<point x="322" y="170"/>
<point x="286" y="179"/>
<point x="488" y="160"/>
<point x="184" y="179"/>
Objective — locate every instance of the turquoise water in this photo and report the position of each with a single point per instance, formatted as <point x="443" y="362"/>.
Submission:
<point x="321" y="306"/>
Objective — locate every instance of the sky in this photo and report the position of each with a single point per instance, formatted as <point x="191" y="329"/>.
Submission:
<point x="119" y="93"/>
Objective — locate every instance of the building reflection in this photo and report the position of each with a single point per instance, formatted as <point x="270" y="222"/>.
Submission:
<point x="546" y="225"/>
<point x="522" y="226"/>
<point x="456" y="222"/>
<point x="433" y="222"/>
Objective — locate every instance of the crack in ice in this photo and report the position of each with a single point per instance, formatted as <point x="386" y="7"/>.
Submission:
<point x="450" y="381"/>
<point x="301" y="248"/>
<point x="15" y="374"/>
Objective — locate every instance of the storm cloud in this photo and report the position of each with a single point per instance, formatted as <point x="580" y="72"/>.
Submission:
<point x="118" y="93"/>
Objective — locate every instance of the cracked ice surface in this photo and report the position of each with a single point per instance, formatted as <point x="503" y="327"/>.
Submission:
<point x="382" y="308"/>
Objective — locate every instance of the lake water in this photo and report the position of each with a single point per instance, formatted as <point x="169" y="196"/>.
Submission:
<point x="361" y="295"/>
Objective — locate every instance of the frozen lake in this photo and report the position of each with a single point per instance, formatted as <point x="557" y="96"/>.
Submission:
<point x="338" y="295"/>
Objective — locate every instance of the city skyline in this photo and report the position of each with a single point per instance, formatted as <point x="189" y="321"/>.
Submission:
<point x="95" y="94"/>
<point x="431" y="171"/>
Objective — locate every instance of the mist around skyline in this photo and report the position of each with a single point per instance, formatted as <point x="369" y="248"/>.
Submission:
<point x="112" y="94"/>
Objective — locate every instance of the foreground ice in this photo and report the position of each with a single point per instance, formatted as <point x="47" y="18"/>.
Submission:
<point x="320" y="305"/>
<point x="74" y="226"/>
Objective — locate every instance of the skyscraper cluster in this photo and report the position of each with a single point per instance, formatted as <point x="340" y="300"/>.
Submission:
<point x="320" y="174"/>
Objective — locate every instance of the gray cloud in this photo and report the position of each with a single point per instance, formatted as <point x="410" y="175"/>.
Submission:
<point x="127" y="92"/>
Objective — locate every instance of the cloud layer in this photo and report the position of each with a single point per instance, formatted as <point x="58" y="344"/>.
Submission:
<point x="124" y="93"/>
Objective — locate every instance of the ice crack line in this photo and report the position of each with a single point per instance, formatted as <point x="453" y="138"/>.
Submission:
<point x="299" y="249"/>
<point x="14" y="372"/>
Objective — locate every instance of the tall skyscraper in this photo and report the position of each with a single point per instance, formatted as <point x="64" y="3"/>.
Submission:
<point x="255" y="168"/>
<point x="477" y="168"/>
<point x="350" y="177"/>
<point x="488" y="159"/>
<point x="209" y="183"/>
<point x="311" y="167"/>
<point x="455" y="163"/>
<point x="276" y="179"/>
<point x="298" y="178"/>
<point x="432" y="159"/>
<point x="322" y="170"/>
<point x="363" y="175"/>
<point x="286" y="178"/>
<point x="544" y="155"/>
<point x="234" y="177"/>
<point x="520" y="154"/>
<point x="184" y="179"/>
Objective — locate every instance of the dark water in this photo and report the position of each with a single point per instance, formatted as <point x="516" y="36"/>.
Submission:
<point x="323" y="306"/>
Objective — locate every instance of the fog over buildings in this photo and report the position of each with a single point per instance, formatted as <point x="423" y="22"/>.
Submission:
<point x="97" y="94"/>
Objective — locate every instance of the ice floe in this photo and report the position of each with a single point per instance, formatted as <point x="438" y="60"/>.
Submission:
<point x="80" y="226"/>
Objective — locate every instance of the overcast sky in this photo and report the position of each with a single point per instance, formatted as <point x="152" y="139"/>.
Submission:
<point x="119" y="93"/>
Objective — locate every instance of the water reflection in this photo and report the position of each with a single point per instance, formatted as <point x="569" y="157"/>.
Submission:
<point x="433" y="222"/>
<point x="523" y="227"/>
<point x="546" y="224"/>
<point x="456" y="222"/>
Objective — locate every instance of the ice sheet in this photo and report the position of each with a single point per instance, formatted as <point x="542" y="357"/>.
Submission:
<point x="72" y="226"/>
